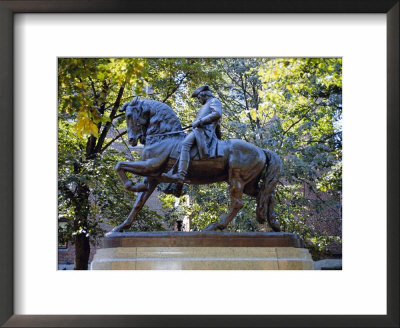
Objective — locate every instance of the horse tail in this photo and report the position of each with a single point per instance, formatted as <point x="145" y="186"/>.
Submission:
<point x="265" y="197"/>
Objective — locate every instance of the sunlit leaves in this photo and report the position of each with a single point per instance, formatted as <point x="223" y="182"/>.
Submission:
<point x="88" y="87"/>
<point x="85" y="126"/>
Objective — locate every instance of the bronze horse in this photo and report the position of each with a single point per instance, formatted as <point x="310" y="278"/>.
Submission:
<point x="242" y="165"/>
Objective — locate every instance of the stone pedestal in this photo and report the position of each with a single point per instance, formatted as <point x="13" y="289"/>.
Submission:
<point x="202" y="251"/>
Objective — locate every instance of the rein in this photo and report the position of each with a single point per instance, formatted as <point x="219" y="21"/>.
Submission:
<point x="167" y="133"/>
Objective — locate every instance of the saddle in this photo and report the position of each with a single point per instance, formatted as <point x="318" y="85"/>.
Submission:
<point x="211" y="149"/>
<point x="194" y="152"/>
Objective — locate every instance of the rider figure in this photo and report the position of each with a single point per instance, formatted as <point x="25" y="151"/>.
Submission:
<point x="203" y="134"/>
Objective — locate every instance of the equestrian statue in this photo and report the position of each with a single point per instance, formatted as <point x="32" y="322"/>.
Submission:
<point x="199" y="157"/>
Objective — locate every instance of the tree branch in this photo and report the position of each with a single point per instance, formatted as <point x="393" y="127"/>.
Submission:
<point x="127" y="147"/>
<point x="91" y="142"/>
<point x="68" y="192"/>
<point x="113" y="139"/>
<point x="175" y="88"/>
<point x="295" y="123"/>
<point x="108" y="125"/>
<point x="93" y="88"/>
<point x="317" y="195"/>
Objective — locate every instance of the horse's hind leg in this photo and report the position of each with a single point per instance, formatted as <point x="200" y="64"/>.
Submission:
<point x="151" y="184"/>
<point x="236" y="186"/>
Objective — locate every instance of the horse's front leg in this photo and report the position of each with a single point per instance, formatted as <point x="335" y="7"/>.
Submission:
<point x="128" y="184"/>
<point x="151" y="184"/>
<point x="138" y="168"/>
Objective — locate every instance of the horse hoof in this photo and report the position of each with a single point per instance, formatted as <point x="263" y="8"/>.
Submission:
<point x="275" y="226"/>
<point x="116" y="229"/>
<point x="214" y="227"/>
<point x="211" y="227"/>
<point x="129" y="186"/>
<point x="141" y="188"/>
<point x="120" y="228"/>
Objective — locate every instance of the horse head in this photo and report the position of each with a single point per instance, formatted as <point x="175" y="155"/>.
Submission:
<point x="135" y="120"/>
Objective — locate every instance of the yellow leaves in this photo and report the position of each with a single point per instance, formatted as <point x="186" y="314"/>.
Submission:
<point x="243" y="115"/>
<point x="269" y="75"/>
<point x="301" y="100"/>
<point x="264" y="106"/>
<point x="84" y="125"/>
<point x="273" y="96"/>
<point x="253" y="114"/>
<point x="93" y="130"/>
<point x="127" y="70"/>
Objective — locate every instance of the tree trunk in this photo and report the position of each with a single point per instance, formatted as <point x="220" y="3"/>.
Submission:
<point x="82" y="243"/>
<point x="82" y="252"/>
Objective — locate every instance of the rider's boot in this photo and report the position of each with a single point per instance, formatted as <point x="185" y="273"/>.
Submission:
<point x="174" y="189"/>
<point x="179" y="177"/>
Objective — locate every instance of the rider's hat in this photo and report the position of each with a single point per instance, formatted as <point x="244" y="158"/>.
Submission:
<point x="200" y="89"/>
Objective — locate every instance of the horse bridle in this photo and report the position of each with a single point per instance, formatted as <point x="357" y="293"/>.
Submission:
<point x="158" y="134"/>
<point x="137" y="123"/>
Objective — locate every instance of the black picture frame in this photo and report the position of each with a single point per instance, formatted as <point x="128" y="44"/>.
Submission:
<point x="11" y="7"/>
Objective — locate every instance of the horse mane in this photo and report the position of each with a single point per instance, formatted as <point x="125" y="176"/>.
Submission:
<point x="162" y="118"/>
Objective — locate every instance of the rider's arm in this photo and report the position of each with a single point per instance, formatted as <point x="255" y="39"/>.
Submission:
<point x="216" y="112"/>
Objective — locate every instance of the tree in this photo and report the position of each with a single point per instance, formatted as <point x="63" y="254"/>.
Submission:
<point x="90" y="91"/>
<point x="303" y="98"/>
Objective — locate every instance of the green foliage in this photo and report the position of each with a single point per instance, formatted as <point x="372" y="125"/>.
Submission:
<point x="208" y="203"/>
<point x="107" y="202"/>
<point x="174" y="79"/>
<point x="174" y="209"/>
<point x="302" y="98"/>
